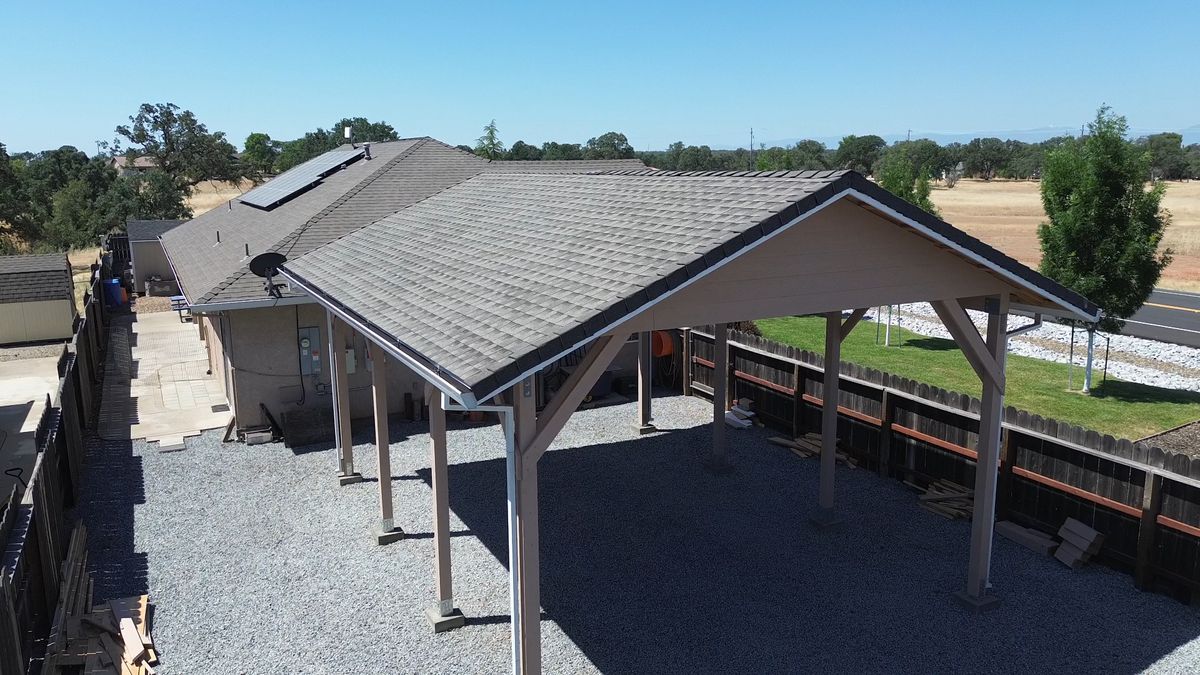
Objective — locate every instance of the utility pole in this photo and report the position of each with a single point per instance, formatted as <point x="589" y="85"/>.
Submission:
<point x="909" y="136"/>
<point x="751" y="167"/>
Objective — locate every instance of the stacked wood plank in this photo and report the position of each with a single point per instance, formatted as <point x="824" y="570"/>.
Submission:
<point x="112" y="637"/>
<point x="946" y="499"/>
<point x="1030" y="538"/>
<point x="809" y="445"/>
<point x="1079" y="543"/>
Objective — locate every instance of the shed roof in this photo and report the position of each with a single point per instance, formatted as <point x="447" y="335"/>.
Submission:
<point x="32" y="278"/>
<point x="149" y="230"/>
<point x="399" y="174"/>
<point x="493" y="277"/>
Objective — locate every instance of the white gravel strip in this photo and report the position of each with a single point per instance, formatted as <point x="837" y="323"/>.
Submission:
<point x="258" y="562"/>
<point x="1184" y="373"/>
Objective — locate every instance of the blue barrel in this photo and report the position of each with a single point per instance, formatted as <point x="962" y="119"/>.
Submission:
<point x="112" y="292"/>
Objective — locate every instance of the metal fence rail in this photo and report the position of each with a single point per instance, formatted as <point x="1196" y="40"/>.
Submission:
<point x="1146" y="500"/>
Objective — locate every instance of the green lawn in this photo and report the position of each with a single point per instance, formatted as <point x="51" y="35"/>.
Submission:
<point x="1123" y="409"/>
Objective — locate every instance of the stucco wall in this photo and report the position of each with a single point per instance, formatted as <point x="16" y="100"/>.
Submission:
<point x="264" y="353"/>
<point x="148" y="258"/>
<point x="34" y="321"/>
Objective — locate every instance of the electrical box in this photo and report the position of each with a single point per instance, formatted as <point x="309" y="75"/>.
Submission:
<point x="351" y="360"/>
<point x="310" y="351"/>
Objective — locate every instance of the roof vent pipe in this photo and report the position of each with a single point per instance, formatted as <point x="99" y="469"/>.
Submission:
<point x="247" y="250"/>
<point x="367" y="150"/>
<point x="348" y="134"/>
<point x="218" y="236"/>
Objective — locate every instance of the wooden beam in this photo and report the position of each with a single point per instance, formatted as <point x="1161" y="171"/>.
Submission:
<point x="441" y="501"/>
<point x="958" y="322"/>
<point x="849" y="324"/>
<point x="645" y="364"/>
<point x="528" y="589"/>
<point x="571" y="394"/>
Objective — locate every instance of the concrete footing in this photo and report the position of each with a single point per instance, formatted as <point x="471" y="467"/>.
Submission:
<point x="825" y="519"/>
<point x="441" y="624"/>
<point x="383" y="537"/>
<point x="349" y="478"/>
<point x="979" y="605"/>
<point x="646" y="429"/>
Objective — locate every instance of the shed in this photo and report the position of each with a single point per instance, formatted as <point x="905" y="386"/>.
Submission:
<point x="37" y="299"/>
<point x="481" y="285"/>
<point x="152" y="272"/>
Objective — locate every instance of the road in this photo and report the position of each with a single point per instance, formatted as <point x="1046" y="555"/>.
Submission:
<point x="1169" y="316"/>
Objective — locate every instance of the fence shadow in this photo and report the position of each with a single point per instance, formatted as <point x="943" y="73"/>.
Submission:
<point x="114" y="484"/>
<point x="651" y="564"/>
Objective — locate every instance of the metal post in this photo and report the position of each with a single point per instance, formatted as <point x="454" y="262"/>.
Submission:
<point x="1107" y="344"/>
<point x="887" y="335"/>
<point x="341" y="400"/>
<point x="1071" y="361"/>
<point x="1087" y="371"/>
<point x="514" y="542"/>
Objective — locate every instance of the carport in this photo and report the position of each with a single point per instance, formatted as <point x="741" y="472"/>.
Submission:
<point x="479" y="287"/>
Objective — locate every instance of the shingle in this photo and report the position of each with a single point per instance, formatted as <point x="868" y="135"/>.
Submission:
<point x="492" y="274"/>
<point x="31" y="278"/>
<point x="149" y="230"/>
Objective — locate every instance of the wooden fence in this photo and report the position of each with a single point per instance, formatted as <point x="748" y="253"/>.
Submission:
<point x="1144" y="499"/>
<point x="36" y="522"/>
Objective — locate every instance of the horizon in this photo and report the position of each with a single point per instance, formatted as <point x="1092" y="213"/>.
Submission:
<point x="700" y="74"/>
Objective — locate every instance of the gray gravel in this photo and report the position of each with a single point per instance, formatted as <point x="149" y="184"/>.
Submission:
<point x="37" y="351"/>
<point x="258" y="562"/>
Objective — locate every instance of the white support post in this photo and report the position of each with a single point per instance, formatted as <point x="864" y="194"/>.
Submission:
<point x="987" y="465"/>
<point x="1091" y="353"/>
<point x="340" y="380"/>
<point x="645" y="364"/>
<point x="527" y="591"/>
<point x="443" y="616"/>
<point x="386" y="532"/>
<point x="717" y="459"/>
<point x="825" y="515"/>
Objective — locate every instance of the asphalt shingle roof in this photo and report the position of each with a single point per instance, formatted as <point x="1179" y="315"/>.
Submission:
<point x="30" y="278"/>
<point x="149" y="230"/>
<point x="399" y="174"/>
<point x="494" y="276"/>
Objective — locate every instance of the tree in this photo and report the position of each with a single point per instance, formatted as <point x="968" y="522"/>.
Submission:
<point x="1168" y="161"/>
<point x="1105" y="227"/>
<point x="489" y="145"/>
<point x="694" y="158"/>
<point x="1193" y="160"/>
<point x="612" y="145"/>
<point x="12" y="197"/>
<point x="558" y="151"/>
<point x="524" y="152"/>
<point x="362" y="130"/>
<point x="859" y="152"/>
<point x="905" y="176"/>
<point x="180" y="145"/>
<point x="984" y="157"/>
<point x="156" y="198"/>
<point x="259" y="155"/>
<point x="809" y="154"/>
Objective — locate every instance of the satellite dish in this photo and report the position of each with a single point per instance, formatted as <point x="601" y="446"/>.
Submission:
<point x="265" y="264"/>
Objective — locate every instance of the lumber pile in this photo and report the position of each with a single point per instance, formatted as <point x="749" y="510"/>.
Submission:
<point x="741" y="414"/>
<point x="111" y="637"/>
<point x="1032" y="539"/>
<point x="809" y="445"/>
<point x="946" y="499"/>
<point x="1079" y="543"/>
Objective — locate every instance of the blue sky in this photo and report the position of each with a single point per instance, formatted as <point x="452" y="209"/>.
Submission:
<point x="699" y="72"/>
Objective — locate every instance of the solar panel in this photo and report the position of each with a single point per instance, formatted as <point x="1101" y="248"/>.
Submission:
<point x="299" y="178"/>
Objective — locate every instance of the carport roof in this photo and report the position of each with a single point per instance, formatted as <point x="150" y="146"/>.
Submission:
<point x="149" y="230"/>
<point x="32" y="278"/>
<point x="493" y="277"/>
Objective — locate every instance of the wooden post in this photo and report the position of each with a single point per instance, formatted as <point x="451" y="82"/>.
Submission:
<point x="991" y="414"/>
<point x="720" y="401"/>
<point x="443" y="616"/>
<point x="1151" y="505"/>
<point x="825" y="516"/>
<point x="387" y="531"/>
<point x="687" y="362"/>
<point x="528" y="592"/>
<point x="645" y="364"/>
<point x="887" y="418"/>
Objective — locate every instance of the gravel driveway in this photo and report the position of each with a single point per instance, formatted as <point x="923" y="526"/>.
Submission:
<point x="259" y="563"/>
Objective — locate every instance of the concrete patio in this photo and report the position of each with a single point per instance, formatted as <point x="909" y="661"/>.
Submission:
<point x="156" y="385"/>
<point x="24" y="384"/>
<point x="256" y="557"/>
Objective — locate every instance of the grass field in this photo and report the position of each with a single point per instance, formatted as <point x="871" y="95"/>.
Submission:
<point x="209" y="195"/>
<point x="1006" y="214"/>
<point x="1123" y="409"/>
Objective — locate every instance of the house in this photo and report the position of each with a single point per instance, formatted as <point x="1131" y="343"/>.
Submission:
<point x="126" y="165"/>
<point x="152" y="273"/>
<point x="37" y="298"/>
<point x="272" y="351"/>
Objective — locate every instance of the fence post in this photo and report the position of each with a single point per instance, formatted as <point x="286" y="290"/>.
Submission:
<point x="887" y="416"/>
<point x="1008" y="459"/>
<point x="1151" y="503"/>
<point x="687" y="362"/>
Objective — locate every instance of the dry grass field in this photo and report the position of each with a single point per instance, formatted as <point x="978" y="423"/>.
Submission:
<point x="209" y="195"/>
<point x="1006" y="214"/>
